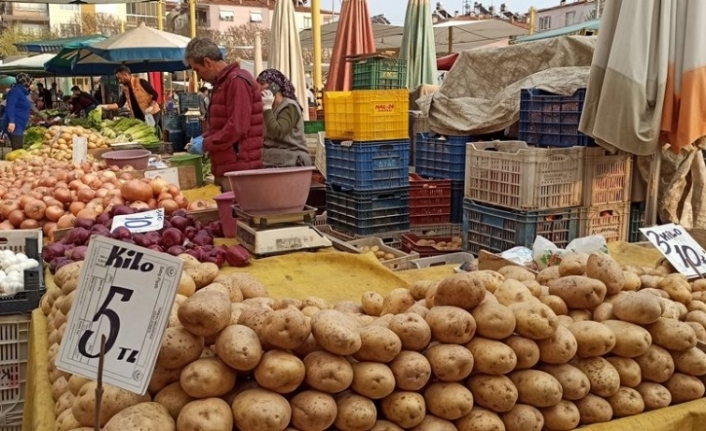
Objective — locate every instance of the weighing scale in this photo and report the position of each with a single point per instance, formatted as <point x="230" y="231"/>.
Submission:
<point x="270" y="234"/>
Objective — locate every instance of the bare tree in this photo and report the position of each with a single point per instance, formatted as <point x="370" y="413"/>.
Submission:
<point x="13" y="34"/>
<point x="308" y="55"/>
<point x="91" y="24"/>
<point x="239" y="41"/>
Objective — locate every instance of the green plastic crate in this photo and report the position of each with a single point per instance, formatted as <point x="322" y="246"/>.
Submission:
<point x="380" y="74"/>
<point x="190" y="160"/>
<point x="313" y="127"/>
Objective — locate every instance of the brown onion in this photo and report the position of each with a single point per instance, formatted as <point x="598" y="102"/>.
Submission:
<point x="66" y="221"/>
<point x="16" y="218"/>
<point x="75" y="207"/>
<point x="24" y="200"/>
<point x="198" y="205"/>
<point x="172" y="189"/>
<point x="139" y="205"/>
<point x="7" y="206"/>
<point x="87" y="213"/>
<point x="169" y="205"/>
<point x="35" y="209"/>
<point x="54" y="213"/>
<point x="29" y="224"/>
<point x="85" y="194"/>
<point x="49" y="229"/>
<point x="63" y="195"/>
<point x="159" y="185"/>
<point x="6" y="225"/>
<point x="181" y="201"/>
<point x="136" y="190"/>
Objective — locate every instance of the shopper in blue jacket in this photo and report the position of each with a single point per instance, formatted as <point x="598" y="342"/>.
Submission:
<point x="17" y="110"/>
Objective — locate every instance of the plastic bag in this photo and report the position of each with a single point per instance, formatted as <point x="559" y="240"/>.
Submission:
<point x="196" y="145"/>
<point x="545" y="253"/>
<point x="149" y="120"/>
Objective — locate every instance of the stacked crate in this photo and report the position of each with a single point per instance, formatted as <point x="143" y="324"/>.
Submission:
<point x="367" y="151"/>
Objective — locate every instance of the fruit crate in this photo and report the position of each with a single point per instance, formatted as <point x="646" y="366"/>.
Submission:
<point x="511" y="174"/>
<point x="552" y="119"/>
<point x="367" y="213"/>
<point x="191" y="125"/>
<point x="427" y="246"/>
<point x="367" y="166"/>
<point x="28" y="242"/>
<point x="609" y="220"/>
<point x="379" y="73"/>
<point x="14" y="360"/>
<point x="444" y="229"/>
<point x="637" y="221"/>
<point x="401" y="260"/>
<point x="367" y="115"/>
<point x="441" y="157"/>
<point x="188" y="101"/>
<point x="607" y="178"/>
<point x="429" y="201"/>
<point x="391" y="239"/>
<point x="497" y="230"/>
<point x="456" y="202"/>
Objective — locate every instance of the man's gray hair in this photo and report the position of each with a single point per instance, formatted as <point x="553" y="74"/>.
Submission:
<point x="201" y="48"/>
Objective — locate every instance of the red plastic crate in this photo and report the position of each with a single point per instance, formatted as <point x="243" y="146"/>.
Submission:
<point x="429" y="201"/>
<point x="410" y="240"/>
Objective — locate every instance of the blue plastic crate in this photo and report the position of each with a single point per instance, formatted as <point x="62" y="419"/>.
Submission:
<point x="441" y="157"/>
<point x="497" y="230"/>
<point x="457" y="201"/>
<point x="368" y="166"/>
<point x="172" y="122"/>
<point x="551" y="119"/>
<point x="367" y="213"/>
<point x="191" y="125"/>
<point x="178" y="140"/>
<point x="188" y="101"/>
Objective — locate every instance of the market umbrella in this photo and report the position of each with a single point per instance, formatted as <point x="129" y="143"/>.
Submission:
<point x="285" y="52"/>
<point x="418" y="45"/>
<point x="354" y="37"/>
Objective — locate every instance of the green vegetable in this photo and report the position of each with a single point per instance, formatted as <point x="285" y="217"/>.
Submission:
<point x="95" y="117"/>
<point x="34" y="136"/>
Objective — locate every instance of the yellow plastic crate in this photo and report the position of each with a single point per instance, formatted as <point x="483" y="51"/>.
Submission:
<point x="367" y="115"/>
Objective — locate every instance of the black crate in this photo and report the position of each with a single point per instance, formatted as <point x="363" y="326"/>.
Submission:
<point x="552" y="120"/>
<point x="26" y="301"/>
<point x="368" y="213"/>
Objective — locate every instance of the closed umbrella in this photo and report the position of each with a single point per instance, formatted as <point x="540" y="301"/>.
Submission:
<point x="285" y="52"/>
<point x="418" y="45"/>
<point x="354" y="37"/>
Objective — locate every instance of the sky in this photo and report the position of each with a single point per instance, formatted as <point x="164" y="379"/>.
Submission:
<point x="394" y="10"/>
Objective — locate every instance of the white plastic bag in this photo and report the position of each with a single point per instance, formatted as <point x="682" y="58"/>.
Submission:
<point x="149" y="120"/>
<point x="545" y="253"/>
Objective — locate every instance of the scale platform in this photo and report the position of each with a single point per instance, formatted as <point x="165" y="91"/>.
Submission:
<point x="281" y="239"/>
<point x="268" y="221"/>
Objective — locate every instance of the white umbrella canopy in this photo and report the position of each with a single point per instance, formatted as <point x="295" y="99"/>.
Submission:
<point x="140" y="43"/>
<point x="285" y="52"/>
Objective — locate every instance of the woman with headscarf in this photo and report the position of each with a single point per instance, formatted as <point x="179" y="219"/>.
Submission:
<point x="17" y="111"/>
<point x="284" y="143"/>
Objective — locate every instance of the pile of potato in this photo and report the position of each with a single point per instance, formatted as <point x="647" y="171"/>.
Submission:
<point x="579" y="343"/>
<point x="454" y="243"/>
<point x="381" y="255"/>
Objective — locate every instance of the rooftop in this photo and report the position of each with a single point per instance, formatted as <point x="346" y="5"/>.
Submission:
<point x="269" y="4"/>
<point x="566" y="4"/>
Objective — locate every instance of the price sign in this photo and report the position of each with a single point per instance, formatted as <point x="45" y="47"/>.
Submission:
<point x="126" y="293"/>
<point x="80" y="149"/>
<point x="147" y="221"/>
<point x="680" y="249"/>
<point x="170" y="175"/>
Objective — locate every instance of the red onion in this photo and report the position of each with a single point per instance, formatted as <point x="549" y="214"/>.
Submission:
<point x="77" y="236"/>
<point x="122" y="210"/>
<point x="85" y="223"/>
<point x="156" y="247"/>
<point x="237" y="256"/>
<point x="180" y="223"/>
<point x="78" y="253"/>
<point x="53" y="251"/>
<point x="203" y="238"/>
<point x="103" y="218"/>
<point x="172" y="236"/>
<point x="121" y="233"/>
<point x="176" y="250"/>
<point x="216" y="229"/>
<point x="190" y="232"/>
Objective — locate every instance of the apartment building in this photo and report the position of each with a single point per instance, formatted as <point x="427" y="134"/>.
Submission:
<point x="567" y="12"/>
<point x="228" y="13"/>
<point x="27" y="17"/>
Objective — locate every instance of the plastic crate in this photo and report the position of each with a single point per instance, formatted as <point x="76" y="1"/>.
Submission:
<point x="637" y="221"/>
<point x="607" y="177"/>
<point x="27" y="242"/>
<point x="445" y="229"/>
<point x="14" y="360"/>
<point x="172" y="122"/>
<point x="313" y="127"/>
<point x="497" y="230"/>
<point x="456" y="201"/>
<point x="379" y="73"/>
<point x="429" y="201"/>
<point x="552" y="119"/>
<point x="442" y="157"/>
<point x="188" y="101"/>
<point x="410" y="244"/>
<point x="191" y="125"/>
<point x="367" y="115"/>
<point x="368" y="166"/>
<point x="512" y="174"/>
<point x="402" y="260"/>
<point x="390" y="238"/>
<point x="610" y="220"/>
<point x="368" y="213"/>
<point x="178" y="140"/>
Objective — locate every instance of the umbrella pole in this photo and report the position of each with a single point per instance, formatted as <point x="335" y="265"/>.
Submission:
<point x="192" y="22"/>
<point x="652" y="203"/>
<point x="451" y="40"/>
<point x="316" y="36"/>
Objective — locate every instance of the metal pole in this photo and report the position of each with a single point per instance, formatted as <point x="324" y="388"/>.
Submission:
<point x="532" y="18"/>
<point x="160" y="15"/>
<point x="451" y="40"/>
<point x="598" y="9"/>
<point x="192" y="22"/>
<point x="316" y="35"/>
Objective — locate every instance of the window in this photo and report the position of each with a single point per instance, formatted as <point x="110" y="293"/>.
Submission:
<point x="40" y="8"/>
<point x="69" y="7"/>
<point x="226" y="15"/>
<point x="545" y="23"/>
<point x="255" y="16"/>
<point x="307" y="22"/>
<point x="570" y="18"/>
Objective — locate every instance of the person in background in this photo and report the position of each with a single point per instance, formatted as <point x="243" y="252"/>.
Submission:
<point x="235" y="125"/>
<point x="138" y="94"/>
<point x="54" y="92"/>
<point x="82" y="101"/>
<point x="203" y="102"/>
<point x="285" y="144"/>
<point x="45" y="96"/>
<point x="17" y="110"/>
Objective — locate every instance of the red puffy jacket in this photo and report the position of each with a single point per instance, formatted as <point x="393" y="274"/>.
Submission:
<point x="235" y="122"/>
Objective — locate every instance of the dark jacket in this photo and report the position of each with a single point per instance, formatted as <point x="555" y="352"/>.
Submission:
<point x="235" y="122"/>
<point x="83" y="102"/>
<point x="17" y="109"/>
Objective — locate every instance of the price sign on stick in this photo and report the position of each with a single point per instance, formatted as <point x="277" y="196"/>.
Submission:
<point x="126" y="293"/>
<point x="680" y="249"/>
<point x="79" y="147"/>
<point x="147" y="221"/>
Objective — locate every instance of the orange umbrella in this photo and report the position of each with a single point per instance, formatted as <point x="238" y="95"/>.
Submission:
<point x="354" y="37"/>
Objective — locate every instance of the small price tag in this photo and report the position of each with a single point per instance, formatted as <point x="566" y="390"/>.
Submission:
<point x="680" y="248"/>
<point x="147" y="221"/>
<point x="126" y="293"/>
<point x="170" y="175"/>
<point x="80" y="149"/>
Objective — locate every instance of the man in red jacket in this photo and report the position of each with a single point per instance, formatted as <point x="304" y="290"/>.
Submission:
<point x="235" y="122"/>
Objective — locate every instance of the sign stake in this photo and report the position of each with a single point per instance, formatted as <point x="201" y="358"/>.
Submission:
<point x="99" y="386"/>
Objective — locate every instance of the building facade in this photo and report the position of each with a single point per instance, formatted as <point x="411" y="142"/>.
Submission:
<point x="27" y="17"/>
<point x="224" y="14"/>
<point x="567" y="12"/>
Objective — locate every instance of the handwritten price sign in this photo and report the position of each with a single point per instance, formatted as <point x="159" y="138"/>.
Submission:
<point x="680" y="249"/>
<point x="147" y="221"/>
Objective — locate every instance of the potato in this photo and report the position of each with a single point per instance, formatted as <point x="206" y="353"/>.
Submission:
<point x="626" y="402"/>
<point x="420" y="309"/>
<point x="496" y="393"/>
<point x="412" y="330"/>
<point x="513" y="291"/>
<point x="372" y="380"/>
<point x="656" y="364"/>
<point x="672" y="334"/>
<point x="526" y="351"/>
<point x="547" y="275"/>
<point x="355" y="413"/>
<point x="286" y="329"/>
<point x="430" y="296"/>
<point x="579" y="292"/>
<point x="490" y="279"/>
<point x="536" y="388"/>
<point x="480" y="419"/>
<point x="697" y="316"/>
<point x="523" y="417"/>
<point x="592" y="338"/>
<point x="433" y="423"/>
<point x="146" y="416"/>
<point x="161" y="377"/>
<point x="379" y="344"/>
<point x="66" y="278"/>
<point x="261" y="410"/>
<point x="691" y="362"/>
<point x="406" y="409"/>
<point x="203" y="274"/>
<point x="382" y="425"/>
<point x="67" y="422"/>
<point x="491" y="356"/>
<point x="411" y="370"/>
<point x="179" y="348"/>
<point x="494" y="321"/>
<point x="327" y="373"/>
<point x="419" y="288"/>
<point x="573" y="264"/>
<point x="450" y="324"/>
<point x="603" y="267"/>
<point x="534" y="320"/>
<point x="594" y="409"/>
<point x="336" y="332"/>
<point x="604" y="378"/>
<point x="253" y="315"/>
<point x="580" y="315"/>
<point x="210" y="413"/>
<point x="205" y="378"/>
<point x="631" y="340"/>
<point x="699" y="330"/>
<point x="676" y="287"/>
<point x="313" y="410"/>
<point x="174" y="399"/>
<point x="463" y="290"/>
<point x="639" y="307"/>
<point x="574" y="383"/>
<point x="516" y="273"/>
<point x="628" y="369"/>
<point x="448" y="401"/>
<point x="239" y="347"/>
<point x="280" y="371"/>
<point x="383" y="321"/>
<point x="671" y="309"/>
<point x="64" y="403"/>
<point x="114" y="400"/>
<point x="536" y="289"/>
<point x="557" y="304"/>
<point x="205" y="313"/>
<point x="372" y="303"/>
<point x="632" y="281"/>
<point x="684" y="388"/>
<point x="348" y="307"/>
<point x="59" y="386"/>
<point x="397" y="301"/>
<point x="449" y="362"/>
<point x="561" y="417"/>
<point x="560" y="348"/>
<point x="654" y="395"/>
